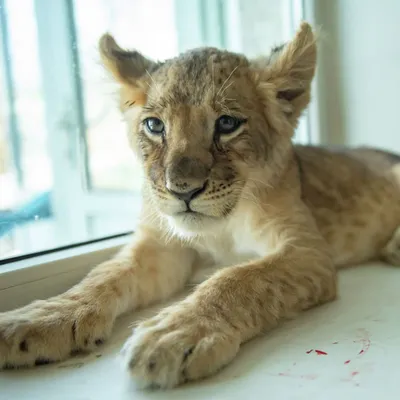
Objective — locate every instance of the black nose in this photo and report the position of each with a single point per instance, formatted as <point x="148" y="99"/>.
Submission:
<point x="190" y="195"/>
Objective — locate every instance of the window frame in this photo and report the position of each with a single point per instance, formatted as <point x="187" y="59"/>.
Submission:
<point x="43" y="276"/>
<point x="50" y="274"/>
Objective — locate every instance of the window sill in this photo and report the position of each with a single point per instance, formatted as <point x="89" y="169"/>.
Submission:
<point x="358" y="333"/>
<point x="47" y="275"/>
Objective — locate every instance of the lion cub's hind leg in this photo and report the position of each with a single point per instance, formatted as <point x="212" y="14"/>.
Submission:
<point x="391" y="252"/>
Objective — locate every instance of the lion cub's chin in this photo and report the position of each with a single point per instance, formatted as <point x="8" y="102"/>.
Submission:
<point x="192" y="224"/>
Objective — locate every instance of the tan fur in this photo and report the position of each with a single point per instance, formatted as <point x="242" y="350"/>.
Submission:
<point x="279" y="218"/>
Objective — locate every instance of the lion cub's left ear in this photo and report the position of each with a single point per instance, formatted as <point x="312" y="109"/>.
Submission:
<point x="129" y="68"/>
<point x="287" y="73"/>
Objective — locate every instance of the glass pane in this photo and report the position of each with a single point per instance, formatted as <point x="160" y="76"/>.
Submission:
<point x="24" y="56"/>
<point x="25" y="173"/>
<point x="263" y="25"/>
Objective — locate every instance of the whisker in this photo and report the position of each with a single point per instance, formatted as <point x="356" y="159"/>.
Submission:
<point x="155" y="84"/>
<point x="227" y="79"/>
<point x="212" y="77"/>
<point x="226" y="88"/>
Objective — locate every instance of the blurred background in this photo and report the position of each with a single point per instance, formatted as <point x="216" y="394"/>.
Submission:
<point x="66" y="173"/>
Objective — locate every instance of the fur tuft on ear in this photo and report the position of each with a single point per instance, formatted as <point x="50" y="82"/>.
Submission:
<point x="290" y="69"/>
<point x="127" y="68"/>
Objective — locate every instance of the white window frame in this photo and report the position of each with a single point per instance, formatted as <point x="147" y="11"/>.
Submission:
<point x="313" y="121"/>
<point x="48" y="275"/>
<point x="75" y="205"/>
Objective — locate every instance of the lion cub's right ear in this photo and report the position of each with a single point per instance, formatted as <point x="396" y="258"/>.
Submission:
<point x="289" y="71"/>
<point x="128" y="68"/>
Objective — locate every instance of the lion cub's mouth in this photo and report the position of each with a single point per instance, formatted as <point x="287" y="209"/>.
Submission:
<point x="191" y="215"/>
<point x="189" y="211"/>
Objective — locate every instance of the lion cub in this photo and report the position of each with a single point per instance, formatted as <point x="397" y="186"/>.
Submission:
<point x="224" y="187"/>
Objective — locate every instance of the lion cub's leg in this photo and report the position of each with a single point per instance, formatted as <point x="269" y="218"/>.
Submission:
<point x="201" y="334"/>
<point x="391" y="252"/>
<point x="83" y="317"/>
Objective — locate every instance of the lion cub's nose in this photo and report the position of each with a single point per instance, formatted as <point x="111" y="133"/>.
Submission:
<point x="189" y="195"/>
<point x="186" y="177"/>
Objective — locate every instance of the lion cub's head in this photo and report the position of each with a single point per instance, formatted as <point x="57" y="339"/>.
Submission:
<point x="208" y="122"/>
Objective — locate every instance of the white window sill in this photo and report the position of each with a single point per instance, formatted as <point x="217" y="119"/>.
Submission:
<point x="359" y="333"/>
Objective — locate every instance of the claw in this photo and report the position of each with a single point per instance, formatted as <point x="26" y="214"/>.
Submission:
<point x="42" y="361"/>
<point x="187" y="353"/>
<point x="23" y="346"/>
<point x="152" y="365"/>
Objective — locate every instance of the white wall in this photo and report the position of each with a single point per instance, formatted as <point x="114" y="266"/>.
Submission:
<point x="359" y="75"/>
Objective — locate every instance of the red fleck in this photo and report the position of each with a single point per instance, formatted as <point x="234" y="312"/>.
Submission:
<point x="335" y="342"/>
<point x="309" y="351"/>
<point x="347" y="362"/>
<point x="321" y="353"/>
<point x="361" y="351"/>
<point x="354" y="373"/>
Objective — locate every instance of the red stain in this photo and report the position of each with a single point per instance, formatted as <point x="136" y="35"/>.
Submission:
<point x="347" y="362"/>
<point x="321" y="353"/>
<point x="361" y="351"/>
<point x="351" y="377"/>
<point x="309" y="351"/>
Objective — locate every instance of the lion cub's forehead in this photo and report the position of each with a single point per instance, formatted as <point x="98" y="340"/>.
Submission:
<point x="196" y="76"/>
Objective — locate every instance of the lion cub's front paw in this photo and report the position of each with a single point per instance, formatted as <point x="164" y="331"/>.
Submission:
<point x="47" y="331"/>
<point x="178" y="346"/>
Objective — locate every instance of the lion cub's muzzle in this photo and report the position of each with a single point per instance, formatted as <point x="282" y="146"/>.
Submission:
<point x="186" y="178"/>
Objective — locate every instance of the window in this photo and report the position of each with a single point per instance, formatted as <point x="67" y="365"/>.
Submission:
<point x="66" y="172"/>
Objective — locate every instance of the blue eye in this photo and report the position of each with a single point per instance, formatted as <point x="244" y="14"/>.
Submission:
<point x="226" y="124"/>
<point x="154" y="126"/>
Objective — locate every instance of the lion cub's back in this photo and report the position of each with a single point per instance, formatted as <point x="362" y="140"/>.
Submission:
<point x="354" y="197"/>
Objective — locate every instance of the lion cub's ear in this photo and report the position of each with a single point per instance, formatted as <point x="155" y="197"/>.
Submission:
<point x="288" y="71"/>
<point x="127" y="68"/>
